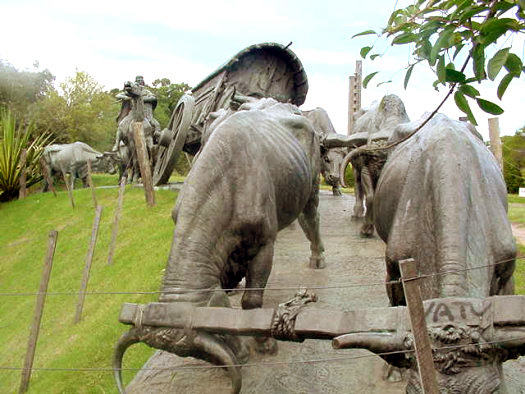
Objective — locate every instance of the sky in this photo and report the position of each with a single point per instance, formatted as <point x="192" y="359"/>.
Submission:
<point x="185" y="41"/>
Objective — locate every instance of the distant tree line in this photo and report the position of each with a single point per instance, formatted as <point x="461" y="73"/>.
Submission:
<point x="79" y="109"/>
<point x="514" y="160"/>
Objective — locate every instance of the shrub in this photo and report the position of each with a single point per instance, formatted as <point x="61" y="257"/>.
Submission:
<point x="13" y="139"/>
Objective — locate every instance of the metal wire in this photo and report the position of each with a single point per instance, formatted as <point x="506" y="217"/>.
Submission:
<point x="282" y="288"/>
<point x="250" y="365"/>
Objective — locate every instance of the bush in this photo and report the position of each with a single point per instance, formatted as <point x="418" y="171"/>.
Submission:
<point x="349" y="176"/>
<point x="13" y="140"/>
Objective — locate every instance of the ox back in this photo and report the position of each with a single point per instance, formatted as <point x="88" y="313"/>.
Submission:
<point x="441" y="199"/>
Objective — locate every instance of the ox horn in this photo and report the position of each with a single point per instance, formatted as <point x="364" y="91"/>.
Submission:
<point x="510" y="338"/>
<point x="350" y="155"/>
<point x="220" y="354"/>
<point x="126" y="340"/>
<point x="375" y="342"/>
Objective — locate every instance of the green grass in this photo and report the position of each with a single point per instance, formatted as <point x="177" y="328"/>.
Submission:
<point x="142" y="248"/>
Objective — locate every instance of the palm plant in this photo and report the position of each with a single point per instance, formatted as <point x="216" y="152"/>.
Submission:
<point x="13" y="140"/>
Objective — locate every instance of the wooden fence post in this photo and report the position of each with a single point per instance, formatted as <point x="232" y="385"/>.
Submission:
<point x="91" y="186"/>
<point x="144" y="165"/>
<point x="425" y="362"/>
<point x="118" y="210"/>
<point x="87" y="268"/>
<point x="47" y="175"/>
<point x="68" y="187"/>
<point x="495" y="141"/>
<point x="40" y="301"/>
<point x="23" y="173"/>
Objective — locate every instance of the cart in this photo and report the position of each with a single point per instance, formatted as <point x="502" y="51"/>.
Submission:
<point x="261" y="70"/>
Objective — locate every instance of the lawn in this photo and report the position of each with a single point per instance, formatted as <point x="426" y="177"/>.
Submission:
<point x="142" y="248"/>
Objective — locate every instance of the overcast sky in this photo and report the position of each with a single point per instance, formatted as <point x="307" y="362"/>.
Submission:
<point x="185" y="41"/>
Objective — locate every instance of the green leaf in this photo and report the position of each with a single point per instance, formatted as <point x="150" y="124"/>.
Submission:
<point x="442" y="42"/>
<point x="372" y="57"/>
<point x="368" y="78"/>
<point x="454" y="76"/>
<point x="513" y="64"/>
<point x="504" y="84"/>
<point x="494" y="28"/>
<point x="478" y="57"/>
<point x="364" y="33"/>
<point x="364" y="51"/>
<point x="463" y="105"/>
<point x="408" y="74"/>
<point x="469" y="90"/>
<point x="496" y="63"/>
<point x="489" y="107"/>
<point x="470" y="12"/>
<point x="440" y="69"/>
<point x="404" y="38"/>
<point x="382" y="83"/>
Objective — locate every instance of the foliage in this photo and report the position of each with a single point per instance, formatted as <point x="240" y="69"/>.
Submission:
<point x="142" y="248"/>
<point x="80" y="111"/>
<point x="448" y="35"/>
<point x="13" y="140"/>
<point x="168" y="94"/>
<point x="349" y="176"/>
<point x="19" y="90"/>
<point x="513" y="148"/>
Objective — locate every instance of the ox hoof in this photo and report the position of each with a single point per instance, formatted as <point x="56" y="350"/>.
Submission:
<point x="367" y="230"/>
<point x="266" y="346"/>
<point x="337" y="192"/>
<point x="317" y="262"/>
<point x="243" y="355"/>
<point x="393" y="374"/>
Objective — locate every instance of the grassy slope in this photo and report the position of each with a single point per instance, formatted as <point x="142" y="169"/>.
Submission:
<point x="142" y="248"/>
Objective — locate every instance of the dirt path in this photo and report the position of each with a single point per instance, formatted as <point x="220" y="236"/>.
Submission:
<point x="350" y="259"/>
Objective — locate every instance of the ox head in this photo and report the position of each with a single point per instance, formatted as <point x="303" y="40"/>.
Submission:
<point x="466" y="359"/>
<point x="108" y="162"/>
<point x="331" y="160"/>
<point x="224" y="350"/>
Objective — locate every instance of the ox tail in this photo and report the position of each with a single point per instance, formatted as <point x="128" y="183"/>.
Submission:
<point x="221" y="354"/>
<point x="126" y="340"/>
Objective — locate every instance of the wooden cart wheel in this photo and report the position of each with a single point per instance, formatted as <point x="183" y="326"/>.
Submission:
<point x="171" y="140"/>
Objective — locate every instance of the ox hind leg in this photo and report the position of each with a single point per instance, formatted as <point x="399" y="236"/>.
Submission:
<point x="367" y="184"/>
<point x="359" y="210"/>
<point x="309" y="221"/>
<point x="257" y="273"/>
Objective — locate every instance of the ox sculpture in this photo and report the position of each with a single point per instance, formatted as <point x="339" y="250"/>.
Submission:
<point x="73" y="158"/>
<point x="331" y="159"/>
<point x="372" y="129"/>
<point x="441" y="199"/>
<point x="256" y="173"/>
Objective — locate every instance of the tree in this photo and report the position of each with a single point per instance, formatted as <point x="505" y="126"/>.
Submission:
<point x="19" y="90"/>
<point x="514" y="160"/>
<point x="168" y="94"/>
<point x="450" y="35"/>
<point x="80" y="111"/>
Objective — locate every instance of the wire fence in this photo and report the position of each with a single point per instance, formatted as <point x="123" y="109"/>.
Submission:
<point x="278" y="288"/>
<point x="264" y="363"/>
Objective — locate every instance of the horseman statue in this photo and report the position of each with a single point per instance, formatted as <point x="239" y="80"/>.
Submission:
<point x="124" y="145"/>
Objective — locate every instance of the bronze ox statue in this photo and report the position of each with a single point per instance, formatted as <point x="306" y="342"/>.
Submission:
<point x="441" y="199"/>
<point x="255" y="174"/>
